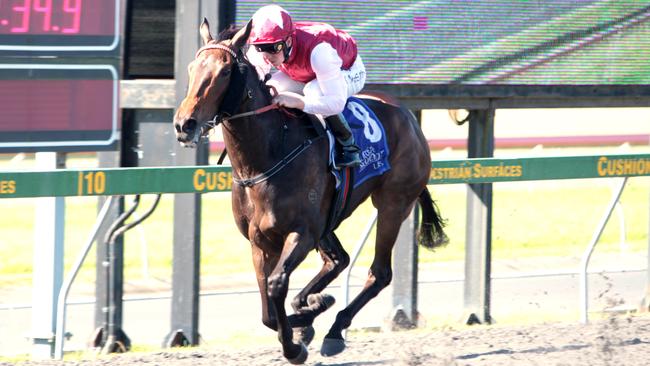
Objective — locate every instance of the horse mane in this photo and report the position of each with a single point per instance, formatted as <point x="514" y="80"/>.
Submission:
<point x="228" y="33"/>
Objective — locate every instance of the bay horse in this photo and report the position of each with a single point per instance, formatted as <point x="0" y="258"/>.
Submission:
<point x="283" y="188"/>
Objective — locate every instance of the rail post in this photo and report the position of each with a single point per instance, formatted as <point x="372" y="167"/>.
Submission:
<point x="107" y="159"/>
<point x="405" y="270"/>
<point x="478" y="233"/>
<point x="405" y="275"/>
<point x="48" y="262"/>
<point x="645" y="303"/>
<point x="187" y="207"/>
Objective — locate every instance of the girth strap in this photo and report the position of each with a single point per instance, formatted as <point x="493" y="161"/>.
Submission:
<point x="339" y="201"/>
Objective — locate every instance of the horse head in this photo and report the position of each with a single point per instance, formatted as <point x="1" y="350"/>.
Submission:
<point x="217" y="79"/>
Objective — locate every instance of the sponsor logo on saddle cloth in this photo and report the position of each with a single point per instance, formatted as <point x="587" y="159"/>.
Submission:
<point x="370" y="136"/>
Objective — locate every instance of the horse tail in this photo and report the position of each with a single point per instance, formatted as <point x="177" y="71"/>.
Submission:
<point x="431" y="233"/>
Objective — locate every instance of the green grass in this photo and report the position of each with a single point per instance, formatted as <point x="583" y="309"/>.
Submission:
<point x="547" y="220"/>
<point x="552" y="218"/>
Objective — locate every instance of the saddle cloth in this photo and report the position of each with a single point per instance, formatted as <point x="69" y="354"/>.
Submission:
<point x="370" y="136"/>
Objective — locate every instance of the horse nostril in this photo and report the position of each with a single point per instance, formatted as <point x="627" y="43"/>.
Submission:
<point x="189" y="126"/>
<point x="178" y="127"/>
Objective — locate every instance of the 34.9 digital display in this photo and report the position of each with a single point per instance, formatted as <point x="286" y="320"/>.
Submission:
<point x="32" y="25"/>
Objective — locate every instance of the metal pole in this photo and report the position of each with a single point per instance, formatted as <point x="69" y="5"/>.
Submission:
<point x="405" y="275"/>
<point x="65" y="289"/>
<point x="405" y="270"/>
<point x="187" y="207"/>
<point x="49" y="228"/>
<point x="478" y="250"/>
<point x="114" y="337"/>
<point x="107" y="159"/>
<point x="584" y="263"/>
<point x="353" y="259"/>
<point x="646" y="305"/>
<point x="622" y="235"/>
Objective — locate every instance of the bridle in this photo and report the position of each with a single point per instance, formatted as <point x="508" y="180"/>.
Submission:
<point x="220" y="118"/>
<point x="217" y="46"/>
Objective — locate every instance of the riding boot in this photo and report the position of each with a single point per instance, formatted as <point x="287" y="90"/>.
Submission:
<point x="349" y="150"/>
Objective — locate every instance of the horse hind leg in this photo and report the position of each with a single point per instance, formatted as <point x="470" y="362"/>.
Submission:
<point x="310" y="302"/>
<point x="379" y="276"/>
<point x="335" y="260"/>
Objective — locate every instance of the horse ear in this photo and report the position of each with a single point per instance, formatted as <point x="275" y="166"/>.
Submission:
<point x="241" y="37"/>
<point x="204" y="30"/>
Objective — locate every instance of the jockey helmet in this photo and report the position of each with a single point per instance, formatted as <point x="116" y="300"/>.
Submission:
<point x="271" y="24"/>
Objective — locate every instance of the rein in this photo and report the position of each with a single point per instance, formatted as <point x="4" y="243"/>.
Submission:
<point x="277" y="167"/>
<point x="214" y="122"/>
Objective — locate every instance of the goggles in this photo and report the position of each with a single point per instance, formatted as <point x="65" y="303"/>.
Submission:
<point x="271" y="47"/>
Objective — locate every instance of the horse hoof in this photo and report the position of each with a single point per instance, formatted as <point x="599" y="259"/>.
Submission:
<point x="320" y="301"/>
<point x="302" y="356"/>
<point x="332" y="346"/>
<point x="304" y="335"/>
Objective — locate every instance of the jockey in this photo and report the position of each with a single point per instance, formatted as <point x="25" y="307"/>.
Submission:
<point x="318" y="69"/>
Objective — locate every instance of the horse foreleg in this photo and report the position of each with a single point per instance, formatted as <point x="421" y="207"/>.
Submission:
<point x="295" y="249"/>
<point x="310" y="303"/>
<point x="262" y="269"/>
<point x="379" y="276"/>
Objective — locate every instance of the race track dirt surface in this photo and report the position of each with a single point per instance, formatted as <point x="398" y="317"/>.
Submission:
<point x="619" y="340"/>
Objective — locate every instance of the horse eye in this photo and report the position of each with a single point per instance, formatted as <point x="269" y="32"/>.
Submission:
<point x="225" y="72"/>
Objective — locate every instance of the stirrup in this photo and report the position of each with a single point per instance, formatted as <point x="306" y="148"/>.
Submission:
<point x="349" y="157"/>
